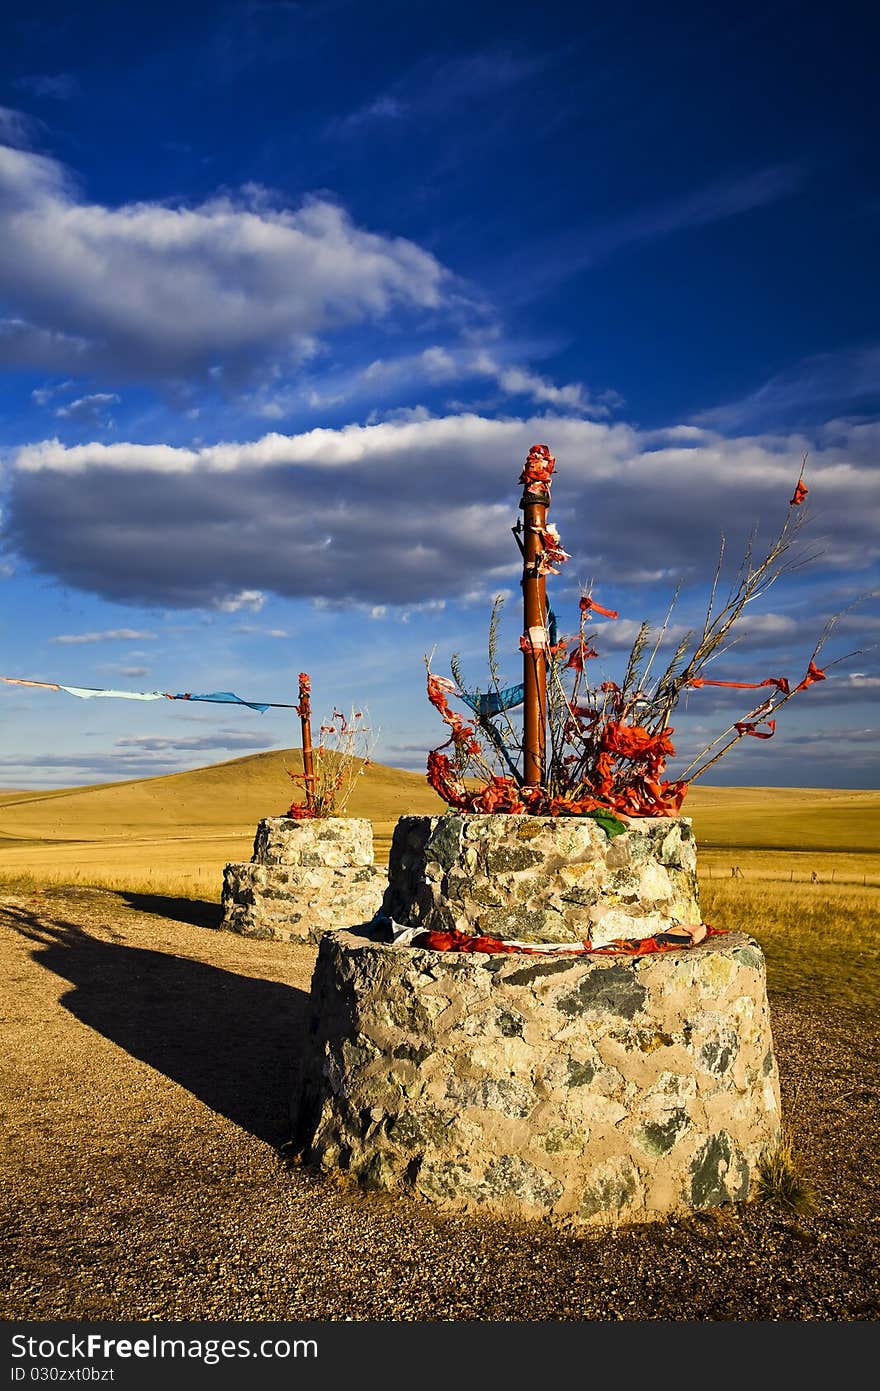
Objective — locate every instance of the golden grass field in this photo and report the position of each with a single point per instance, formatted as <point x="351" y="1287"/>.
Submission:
<point x="808" y="886"/>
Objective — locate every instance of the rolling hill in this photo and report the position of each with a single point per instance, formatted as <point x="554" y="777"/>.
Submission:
<point x="192" y="823"/>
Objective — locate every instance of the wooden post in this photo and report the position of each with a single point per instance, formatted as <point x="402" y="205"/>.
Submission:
<point x="534" y="503"/>
<point x="305" y="714"/>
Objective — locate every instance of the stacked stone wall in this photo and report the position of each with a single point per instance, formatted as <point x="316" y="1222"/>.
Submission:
<point x="543" y="878"/>
<point x="304" y="878"/>
<point x="589" y="1090"/>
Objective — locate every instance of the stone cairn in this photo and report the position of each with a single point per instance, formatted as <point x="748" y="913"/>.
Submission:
<point x="542" y="878"/>
<point x="570" y="1075"/>
<point x="585" y="1089"/>
<point x="304" y="877"/>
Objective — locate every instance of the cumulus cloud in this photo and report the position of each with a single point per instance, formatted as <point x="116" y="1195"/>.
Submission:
<point x="404" y="512"/>
<point x="163" y="291"/>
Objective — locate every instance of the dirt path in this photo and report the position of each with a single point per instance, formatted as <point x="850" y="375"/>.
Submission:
<point x="146" y="1059"/>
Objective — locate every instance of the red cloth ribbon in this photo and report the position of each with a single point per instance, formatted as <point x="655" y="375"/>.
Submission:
<point x="778" y="681"/>
<point x="464" y="735"/>
<point x="800" y="493"/>
<point x="496" y="946"/>
<point x="553" y="553"/>
<point x="814" y="673"/>
<point x="749" y="727"/>
<point x="304" y="709"/>
<point x="539" y="467"/>
<point x="581" y="653"/>
<point x="589" y="605"/>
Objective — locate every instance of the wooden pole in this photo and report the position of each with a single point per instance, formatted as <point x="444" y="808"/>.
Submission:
<point x="305" y="714"/>
<point x="534" y="586"/>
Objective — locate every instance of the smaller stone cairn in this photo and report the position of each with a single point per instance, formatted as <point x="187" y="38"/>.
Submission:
<point x="586" y="1089"/>
<point x="304" y="877"/>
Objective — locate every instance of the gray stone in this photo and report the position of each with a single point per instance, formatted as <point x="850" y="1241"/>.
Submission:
<point x="611" y="989"/>
<point x="576" y="1090"/>
<point x="542" y="878"/>
<point x="305" y="878"/>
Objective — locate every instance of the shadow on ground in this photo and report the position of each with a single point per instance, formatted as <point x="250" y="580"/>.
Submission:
<point x="231" y="1040"/>
<point x="199" y="912"/>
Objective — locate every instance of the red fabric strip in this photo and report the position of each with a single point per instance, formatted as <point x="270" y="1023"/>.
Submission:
<point x="814" y="673"/>
<point x="745" y="727"/>
<point x="496" y="946"/>
<point x="589" y="605"/>
<point x="779" y="682"/>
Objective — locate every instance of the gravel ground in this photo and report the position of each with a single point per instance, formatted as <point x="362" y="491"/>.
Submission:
<point x="146" y="1067"/>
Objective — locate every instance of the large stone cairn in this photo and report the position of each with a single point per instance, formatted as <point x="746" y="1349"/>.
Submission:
<point x="305" y="877"/>
<point x="587" y="1089"/>
<point x="542" y="878"/>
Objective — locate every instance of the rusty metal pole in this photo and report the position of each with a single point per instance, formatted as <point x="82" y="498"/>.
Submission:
<point x="305" y="714"/>
<point x="534" y="586"/>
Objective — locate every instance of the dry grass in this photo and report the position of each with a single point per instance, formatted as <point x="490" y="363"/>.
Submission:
<point x="173" y="835"/>
<point x="148" y="1063"/>
<point x="146" y="1097"/>
<point x="820" y="940"/>
<point x="785" y="818"/>
<point x="779" y="1183"/>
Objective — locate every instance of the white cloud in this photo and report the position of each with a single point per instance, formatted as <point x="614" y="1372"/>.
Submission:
<point x="165" y="291"/>
<point x="89" y="410"/>
<point x="405" y="512"/>
<point x="111" y="635"/>
<point x="42" y="395"/>
<point x="516" y="381"/>
<point x="438" y="365"/>
<point x="383" y="108"/>
<point x="16" y="128"/>
<point x="250" y="599"/>
<point x="256" y="629"/>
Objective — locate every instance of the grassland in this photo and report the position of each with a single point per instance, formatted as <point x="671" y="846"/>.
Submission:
<point x="175" y="833"/>
<point x="798" y="868"/>
<point x="147" y="1082"/>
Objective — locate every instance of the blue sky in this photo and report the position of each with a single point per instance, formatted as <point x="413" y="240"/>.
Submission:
<point x="287" y="290"/>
